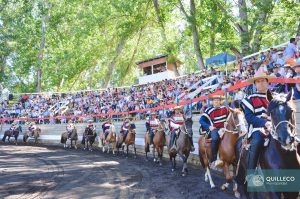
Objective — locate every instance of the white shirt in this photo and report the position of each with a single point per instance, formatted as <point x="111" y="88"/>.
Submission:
<point x="290" y="51"/>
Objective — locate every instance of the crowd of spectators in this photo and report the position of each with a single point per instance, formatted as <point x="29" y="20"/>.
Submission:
<point x="277" y="62"/>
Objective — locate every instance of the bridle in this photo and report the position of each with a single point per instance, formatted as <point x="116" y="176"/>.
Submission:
<point x="273" y="131"/>
<point x="234" y="123"/>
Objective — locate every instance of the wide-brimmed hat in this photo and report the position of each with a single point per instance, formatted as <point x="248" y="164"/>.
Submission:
<point x="260" y="74"/>
<point x="286" y="65"/>
<point x="153" y="113"/>
<point x="221" y="97"/>
<point x="178" y="107"/>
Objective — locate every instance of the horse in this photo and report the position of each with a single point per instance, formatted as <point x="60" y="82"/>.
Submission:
<point x="35" y="134"/>
<point x="159" y="141"/>
<point x="73" y="137"/>
<point x="234" y="125"/>
<point x="110" y="140"/>
<point x="281" y="152"/>
<point x="130" y="140"/>
<point x="88" y="138"/>
<point x="183" y="146"/>
<point x="12" y="133"/>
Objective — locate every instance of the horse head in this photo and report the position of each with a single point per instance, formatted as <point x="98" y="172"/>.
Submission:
<point x="132" y="128"/>
<point x="236" y="121"/>
<point x="188" y="125"/>
<point x="282" y="111"/>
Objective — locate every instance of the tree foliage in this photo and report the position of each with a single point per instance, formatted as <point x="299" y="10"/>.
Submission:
<point x="91" y="44"/>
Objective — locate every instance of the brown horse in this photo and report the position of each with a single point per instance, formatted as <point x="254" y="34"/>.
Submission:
<point x="35" y="135"/>
<point x="130" y="140"/>
<point x="111" y="139"/>
<point x="159" y="141"/>
<point x="234" y="125"/>
<point x="73" y="137"/>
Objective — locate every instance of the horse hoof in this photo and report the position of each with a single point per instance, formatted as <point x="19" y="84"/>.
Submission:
<point x="223" y="187"/>
<point x="134" y="157"/>
<point x="237" y="194"/>
<point x="212" y="186"/>
<point x="173" y="170"/>
<point x="183" y="174"/>
<point x="154" y="160"/>
<point x="160" y="164"/>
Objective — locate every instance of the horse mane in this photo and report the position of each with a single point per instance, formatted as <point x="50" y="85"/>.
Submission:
<point x="279" y="99"/>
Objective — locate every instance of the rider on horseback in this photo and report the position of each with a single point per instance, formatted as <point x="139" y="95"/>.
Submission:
<point x="212" y="120"/>
<point x="90" y="125"/>
<point x="13" y="126"/>
<point x="255" y="108"/>
<point x="70" y="127"/>
<point x="32" y="127"/>
<point x="151" y="126"/>
<point x="125" y="127"/>
<point x="106" y="126"/>
<point x="175" y="122"/>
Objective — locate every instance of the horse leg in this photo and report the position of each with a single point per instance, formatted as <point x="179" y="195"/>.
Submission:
<point x="16" y="139"/>
<point x="227" y="176"/>
<point x="153" y="151"/>
<point x="235" y="185"/>
<point x="75" y="144"/>
<point x="147" y="150"/>
<point x="212" y="185"/>
<point x="134" y="148"/>
<point x="127" y="151"/>
<point x="184" y="167"/>
<point x="107" y="146"/>
<point x="103" y="146"/>
<point x="4" y="138"/>
<point x="114" y="147"/>
<point x="160" y="156"/>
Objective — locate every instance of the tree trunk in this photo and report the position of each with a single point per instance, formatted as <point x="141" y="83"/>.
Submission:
<point x="42" y="45"/>
<point x="111" y="66"/>
<point x="191" y="19"/>
<point x="196" y="35"/>
<point x="264" y="9"/>
<point x="163" y="34"/>
<point x="244" y="34"/>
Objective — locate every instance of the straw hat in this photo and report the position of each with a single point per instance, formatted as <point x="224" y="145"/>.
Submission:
<point x="221" y="97"/>
<point x="153" y="113"/>
<point x="178" y="107"/>
<point x="286" y="65"/>
<point x="260" y="74"/>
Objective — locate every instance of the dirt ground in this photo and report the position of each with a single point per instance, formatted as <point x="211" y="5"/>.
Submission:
<point x="50" y="171"/>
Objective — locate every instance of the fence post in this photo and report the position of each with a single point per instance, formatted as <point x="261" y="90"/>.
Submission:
<point x="226" y="97"/>
<point x="191" y="106"/>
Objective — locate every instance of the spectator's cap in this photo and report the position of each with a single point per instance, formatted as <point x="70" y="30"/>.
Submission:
<point x="260" y="74"/>
<point x="286" y="65"/>
<point x="177" y="108"/>
<point x="220" y="97"/>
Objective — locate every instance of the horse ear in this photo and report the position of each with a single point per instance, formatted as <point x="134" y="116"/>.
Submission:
<point x="290" y="95"/>
<point x="269" y="95"/>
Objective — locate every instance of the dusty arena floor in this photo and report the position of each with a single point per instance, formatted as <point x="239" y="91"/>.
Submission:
<point x="51" y="172"/>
